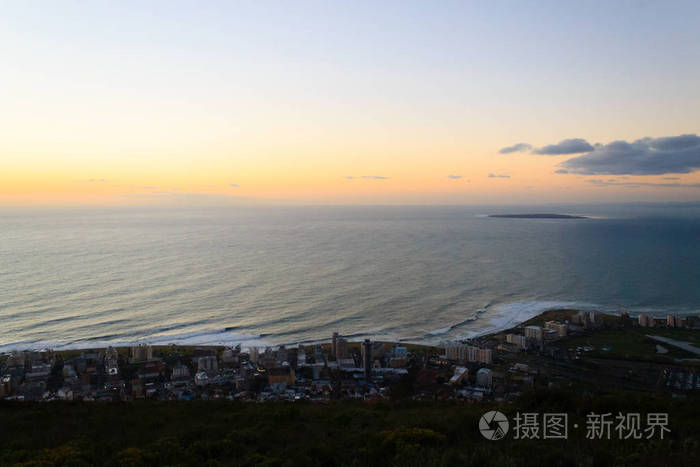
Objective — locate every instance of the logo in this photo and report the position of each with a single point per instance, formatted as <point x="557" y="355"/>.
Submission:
<point x="493" y="425"/>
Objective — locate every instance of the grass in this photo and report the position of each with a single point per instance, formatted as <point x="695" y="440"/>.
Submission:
<point x="632" y="343"/>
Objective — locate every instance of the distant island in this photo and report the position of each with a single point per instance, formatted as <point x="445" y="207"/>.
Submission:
<point x="537" y="216"/>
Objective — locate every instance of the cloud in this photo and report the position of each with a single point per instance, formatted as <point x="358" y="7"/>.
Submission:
<point x="671" y="178"/>
<point x="518" y="147"/>
<point x="233" y="185"/>
<point x="454" y="177"/>
<point x="646" y="156"/>
<point x="92" y="180"/>
<point x="369" y="177"/>
<point x="567" y="146"/>
<point x="613" y="182"/>
<point x="491" y="175"/>
<point x="561" y="171"/>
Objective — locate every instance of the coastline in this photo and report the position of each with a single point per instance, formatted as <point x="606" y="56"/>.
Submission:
<point x="498" y="318"/>
<point x="521" y="318"/>
<point x="505" y="316"/>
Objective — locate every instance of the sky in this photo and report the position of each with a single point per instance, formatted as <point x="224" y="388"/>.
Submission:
<point x="393" y="102"/>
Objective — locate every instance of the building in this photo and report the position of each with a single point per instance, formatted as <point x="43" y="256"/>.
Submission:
<point x="484" y="356"/>
<point x="282" y="355"/>
<point x="674" y="321"/>
<point x="39" y="372"/>
<point x="587" y="319"/>
<point x="517" y="340"/>
<point x="16" y="359"/>
<point x="471" y="353"/>
<point x="339" y="347"/>
<point x="254" y="354"/>
<point x="398" y="357"/>
<point x="463" y="353"/>
<point x="5" y="385"/>
<point x="150" y="371"/>
<point x="534" y="332"/>
<point x="230" y="356"/>
<point x="112" y="363"/>
<point x="281" y="376"/>
<point x="484" y="378"/>
<point x="367" y="358"/>
<point x="180" y="372"/>
<point x="645" y="321"/>
<point x="346" y="363"/>
<point x="342" y="348"/>
<point x="319" y="356"/>
<point x="141" y="353"/>
<point x="207" y="364"/>
<point x="461" y="374"/>
<point x="561" y="329"/>
<point x="456" y="353"/>
<point x="399" y="351"/>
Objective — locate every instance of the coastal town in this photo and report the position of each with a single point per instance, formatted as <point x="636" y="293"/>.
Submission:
<point x="579" y="350"/>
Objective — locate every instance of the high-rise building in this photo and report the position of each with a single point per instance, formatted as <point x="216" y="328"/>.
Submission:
<point x="457" y="353"/>
<point x="207" y="364"/>
<point x="254" y="353"/>
<point x="562" y="329"/>
<point x="339" y="347"/>
<point x="533" y="332"/>
<point x="141" y="353"/>
<point x="367" y="359"/>
<point x="484" y="356"/>
<point x="463" y="353"/>
<point x="282" y="354"/>
<point x="471" y="353"/>
<point x="230" y="356"/>
<point x="645" y="321"/>
<point x="674" y="321"/>
<point x="517" y="340"/>
<point x="112" y="362"/>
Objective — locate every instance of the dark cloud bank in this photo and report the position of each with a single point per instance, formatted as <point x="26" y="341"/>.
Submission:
<point x="646" y="156"/>
<point x="639" y="184"/>
<point x="519" y="147"/>
<point x="568" y="146"/>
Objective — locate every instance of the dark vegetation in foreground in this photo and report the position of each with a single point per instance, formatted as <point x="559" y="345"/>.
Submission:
<point x="337" y="433"/>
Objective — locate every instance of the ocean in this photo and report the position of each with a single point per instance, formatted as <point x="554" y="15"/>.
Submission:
<point x="88" y="277"/>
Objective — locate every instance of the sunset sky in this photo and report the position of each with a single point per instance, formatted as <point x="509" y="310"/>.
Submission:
<point x="149" y="102"/>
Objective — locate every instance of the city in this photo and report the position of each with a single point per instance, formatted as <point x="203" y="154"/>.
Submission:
<point x="556" y="349"/>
